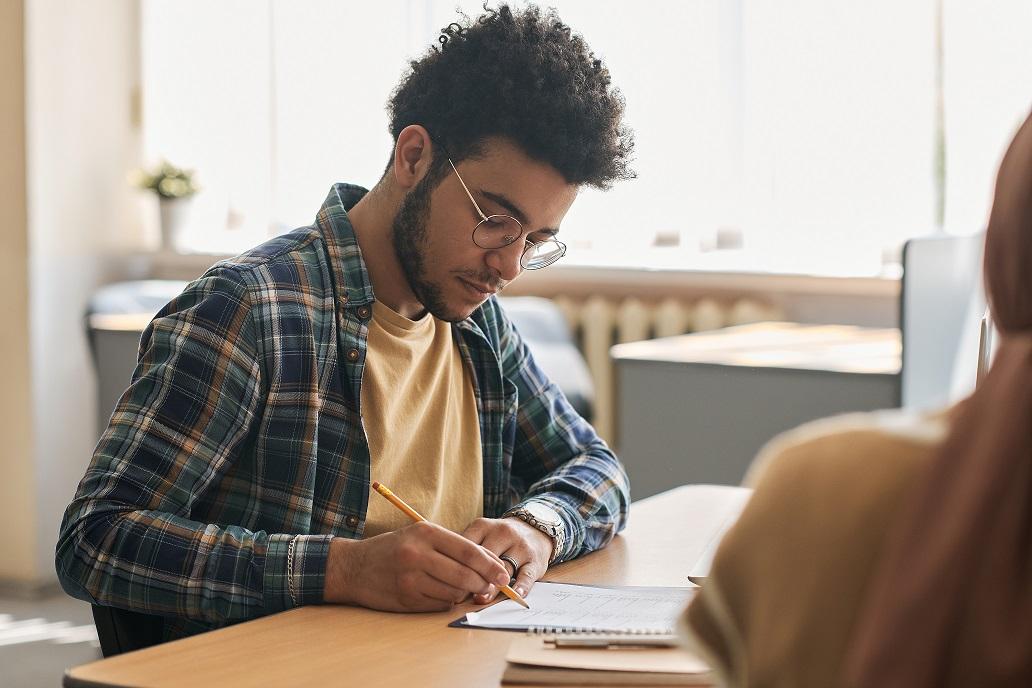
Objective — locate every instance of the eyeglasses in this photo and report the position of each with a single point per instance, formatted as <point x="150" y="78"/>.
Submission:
<point x="499" y="231"/>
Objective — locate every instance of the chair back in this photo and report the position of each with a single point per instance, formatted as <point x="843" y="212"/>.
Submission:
<point x="546" y="333"/>
<point x="121" y="631"/>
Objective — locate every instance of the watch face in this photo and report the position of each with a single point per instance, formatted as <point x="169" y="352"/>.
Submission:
<point x="543" y="514"/>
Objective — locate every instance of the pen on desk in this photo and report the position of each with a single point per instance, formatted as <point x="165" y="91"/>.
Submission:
<point x="415" y="516"/>
<point x="625" y="643"/>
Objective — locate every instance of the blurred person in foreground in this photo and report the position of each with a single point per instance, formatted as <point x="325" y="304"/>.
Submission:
<point x="894" y="549"/>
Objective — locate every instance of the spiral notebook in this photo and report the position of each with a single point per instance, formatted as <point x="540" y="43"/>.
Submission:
<point x="567" y="606"/>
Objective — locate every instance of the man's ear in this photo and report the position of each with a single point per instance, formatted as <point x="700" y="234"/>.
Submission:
<point x="413" y="153"/>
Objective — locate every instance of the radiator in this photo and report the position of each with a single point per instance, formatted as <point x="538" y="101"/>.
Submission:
<point x="599" y="322"/>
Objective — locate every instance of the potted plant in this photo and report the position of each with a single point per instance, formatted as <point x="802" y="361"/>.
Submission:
<point x="173" y="186"/>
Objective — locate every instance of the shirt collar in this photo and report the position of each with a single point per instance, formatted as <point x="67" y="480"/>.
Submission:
<point x="351" y="280"/>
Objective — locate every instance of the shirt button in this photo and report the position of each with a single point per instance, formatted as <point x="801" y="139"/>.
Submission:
<point x="353" y="355"/>
<point x="344" y="297"/>
<point x="351" y="521"/>
<point x="363" y="312"/>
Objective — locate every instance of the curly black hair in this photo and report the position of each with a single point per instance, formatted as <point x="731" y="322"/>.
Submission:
<point x="525" y="76"/>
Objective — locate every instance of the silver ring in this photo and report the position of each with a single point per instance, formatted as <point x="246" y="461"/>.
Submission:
<point x="509" y="560"/>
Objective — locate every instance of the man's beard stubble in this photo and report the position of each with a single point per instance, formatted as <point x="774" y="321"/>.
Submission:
<point x="409" y="236"/>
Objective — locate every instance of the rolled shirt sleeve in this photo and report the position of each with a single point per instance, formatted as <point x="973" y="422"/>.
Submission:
<point x="568" y="468"/>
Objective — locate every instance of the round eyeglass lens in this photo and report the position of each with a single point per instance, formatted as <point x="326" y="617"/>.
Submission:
<point x="542" y="254"/>
<point x="497" y="231"/>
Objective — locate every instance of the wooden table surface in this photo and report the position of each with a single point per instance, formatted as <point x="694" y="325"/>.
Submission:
<point x="333" y="645"/>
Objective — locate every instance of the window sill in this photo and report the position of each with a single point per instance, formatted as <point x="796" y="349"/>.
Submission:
<point x="721" y="270"/>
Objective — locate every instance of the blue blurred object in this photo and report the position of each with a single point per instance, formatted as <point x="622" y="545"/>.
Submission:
<point x="543" y="327"/>
<point x="941" y="307"/>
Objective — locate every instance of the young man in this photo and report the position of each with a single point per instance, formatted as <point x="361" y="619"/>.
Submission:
<point x="234" y="478"/>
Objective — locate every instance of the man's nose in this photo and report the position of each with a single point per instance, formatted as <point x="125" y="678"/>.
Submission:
<point x="506" y="260"/>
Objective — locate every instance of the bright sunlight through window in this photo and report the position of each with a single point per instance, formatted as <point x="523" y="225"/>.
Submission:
<point x="811" y="136"/>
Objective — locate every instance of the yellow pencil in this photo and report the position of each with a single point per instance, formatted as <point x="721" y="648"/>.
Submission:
<point x="415" y="516"/>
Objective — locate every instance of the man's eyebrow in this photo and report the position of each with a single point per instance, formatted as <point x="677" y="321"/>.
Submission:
<point x="514" y="210"/>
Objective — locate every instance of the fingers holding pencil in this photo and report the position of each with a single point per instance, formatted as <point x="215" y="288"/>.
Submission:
<point x="410" y="570"/>
<point x="527" y="547"/>
<point x="460" y="563"/>
<point x="459" y="551"/>
<point x="457" y="561"/>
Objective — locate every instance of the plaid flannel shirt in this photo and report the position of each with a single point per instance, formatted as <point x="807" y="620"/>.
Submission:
<point x="237" y="452"/>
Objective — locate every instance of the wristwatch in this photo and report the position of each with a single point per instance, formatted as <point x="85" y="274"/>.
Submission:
<point x="544" y="519"/>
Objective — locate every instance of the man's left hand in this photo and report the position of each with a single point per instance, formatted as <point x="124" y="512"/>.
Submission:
<point x="514" y="538"/>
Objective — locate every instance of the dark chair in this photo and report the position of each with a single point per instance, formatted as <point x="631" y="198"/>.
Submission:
<point x="124" y="631"/>
<point x="544" y="329"/>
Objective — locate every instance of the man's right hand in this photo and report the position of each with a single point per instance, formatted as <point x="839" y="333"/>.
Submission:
<point x="420" y="568"/>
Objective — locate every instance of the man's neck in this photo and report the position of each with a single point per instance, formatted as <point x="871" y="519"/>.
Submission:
<point x="372" y="219"/>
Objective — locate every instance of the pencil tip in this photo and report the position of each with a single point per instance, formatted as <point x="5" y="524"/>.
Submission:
<point x="376" y="485"/>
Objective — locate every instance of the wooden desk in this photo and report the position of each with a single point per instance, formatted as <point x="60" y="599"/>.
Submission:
<point x="328" y="645"/>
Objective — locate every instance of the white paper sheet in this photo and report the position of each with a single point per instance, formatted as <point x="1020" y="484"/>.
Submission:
<point x="560" y="605"/>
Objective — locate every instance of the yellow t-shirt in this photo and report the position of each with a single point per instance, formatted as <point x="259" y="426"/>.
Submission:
<point x="420" y="417"/>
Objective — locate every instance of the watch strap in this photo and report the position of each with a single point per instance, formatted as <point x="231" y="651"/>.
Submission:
<point x="553" y="530"/>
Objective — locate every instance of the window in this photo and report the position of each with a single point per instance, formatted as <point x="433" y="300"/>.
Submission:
<point x="809" y="129"/>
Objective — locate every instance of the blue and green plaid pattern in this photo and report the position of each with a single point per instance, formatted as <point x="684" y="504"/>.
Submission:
<point x="237" y="452"/>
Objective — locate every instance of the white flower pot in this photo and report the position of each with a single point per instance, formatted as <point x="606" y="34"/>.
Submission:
<point x="174" y="213"/>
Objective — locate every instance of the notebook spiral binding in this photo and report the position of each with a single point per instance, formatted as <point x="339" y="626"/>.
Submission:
<point x="582" y="630"/>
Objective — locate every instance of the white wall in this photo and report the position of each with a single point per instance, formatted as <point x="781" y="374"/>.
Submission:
<point x="17" y="489"/>
<point x="839" y="126"/>
<point x="82" y="62"/>
<point x="988" y="93"/>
